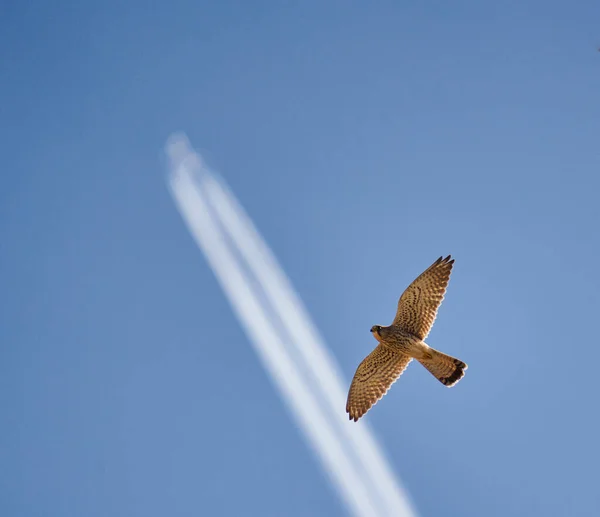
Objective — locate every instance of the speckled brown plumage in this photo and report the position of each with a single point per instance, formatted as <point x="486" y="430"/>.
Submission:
<point x="403" y="341"/>
<point x="373" y="378"/>
<point x="418" y="305"/>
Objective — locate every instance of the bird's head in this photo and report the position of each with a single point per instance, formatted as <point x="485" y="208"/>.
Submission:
<point x="376" y="331"/>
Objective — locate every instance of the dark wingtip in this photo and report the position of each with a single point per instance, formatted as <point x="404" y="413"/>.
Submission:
<point x="352" y="416"/>
<point x="444" y="260"/>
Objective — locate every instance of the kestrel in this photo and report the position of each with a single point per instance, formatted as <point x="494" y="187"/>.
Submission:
<point x="404" y="340"/>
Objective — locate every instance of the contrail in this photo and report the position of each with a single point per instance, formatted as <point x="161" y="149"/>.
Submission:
<point x="309" y="344"/>
<point x="349" y="452"/>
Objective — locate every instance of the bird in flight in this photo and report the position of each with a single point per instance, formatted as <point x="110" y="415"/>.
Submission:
<point x="404" y="340"/>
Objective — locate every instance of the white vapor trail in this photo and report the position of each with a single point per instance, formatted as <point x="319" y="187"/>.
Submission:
<point x="348" y="451"/>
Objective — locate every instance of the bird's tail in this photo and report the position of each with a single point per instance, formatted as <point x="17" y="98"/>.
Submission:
<point x="444" y="368"/>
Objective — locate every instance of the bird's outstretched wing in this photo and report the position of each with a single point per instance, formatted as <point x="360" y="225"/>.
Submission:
<point x="373" y="378"/>
<point x="418" y="305"/>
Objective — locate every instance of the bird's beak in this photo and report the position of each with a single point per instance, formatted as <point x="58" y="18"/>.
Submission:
<point x="371" y="329"/>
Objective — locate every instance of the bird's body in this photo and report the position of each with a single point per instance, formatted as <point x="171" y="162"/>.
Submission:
<point x="404" y="340"/>
<point x="400" y="341"/>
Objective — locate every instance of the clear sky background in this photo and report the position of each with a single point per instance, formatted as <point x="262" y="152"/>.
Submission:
<point x="365" y="140"/>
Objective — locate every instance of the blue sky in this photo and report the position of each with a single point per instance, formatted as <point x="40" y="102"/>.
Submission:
<point x="365" y="141"/>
